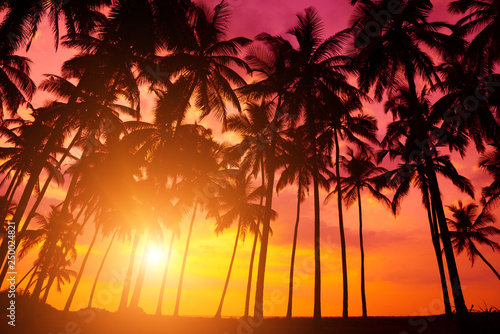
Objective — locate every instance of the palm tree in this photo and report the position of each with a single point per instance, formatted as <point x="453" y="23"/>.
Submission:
<point x="202" y="68"/>
<point x="362" y="174"/>
<point x="297" y="161"/>
<point x="250" y="125"/>
<point x="16" y="86"/>
<point x="271" y="63"/>
<point x="420" y="148"/>
<point x="482" y="18"/>
<point x="468" y="228"/>
<point x="491" y="162"/>
<point x="236" y="201"/>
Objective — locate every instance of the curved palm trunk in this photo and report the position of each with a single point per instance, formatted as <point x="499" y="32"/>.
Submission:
<point x="9" y="194"/>
<point x="341" y="227"/>
<point x="30" y="282"/>
<point x="80" y="273"/>
<point x="164" y="279"/>
<point x="186" y="250"/>
<point x="266" y="226"/>
<point x="128" y="278"/>
<point x="362" y="249"/>
<point x="294" y="248"/>
<point x="439" y="257"/>
<point x="488" y="264"/>
<point x="226" y="284"/>
<point x="256" y="238"/>
<point x="26" y="275"/>
<point x="445" y="238"/>
<point x="53" y="274"/>
<point x="100" y="269"/>
<point x="134" y="302"/>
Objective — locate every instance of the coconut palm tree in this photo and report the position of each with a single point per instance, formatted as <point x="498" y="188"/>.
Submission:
<point x="321" y="72"/>
<point x="249" y="154"/>
<point x="16" y="86"/>
<point x="362" y="174"/>
<point x="416" y="134"/>
<point x="236" y="202"/>
<point x="468" y="228"/>
<point x="271" y="65"/>
<point x="202" y="69"/>
<point x="490" y="161"/>
<point x="482" y="19"/>
<point x="297" y="168"/>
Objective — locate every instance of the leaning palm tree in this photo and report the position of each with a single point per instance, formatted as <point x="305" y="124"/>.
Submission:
<point x="411" y="137"/>
<point x="468" y="228"/>
<point x="236" y="201"/>
<point x="362" y="174"/>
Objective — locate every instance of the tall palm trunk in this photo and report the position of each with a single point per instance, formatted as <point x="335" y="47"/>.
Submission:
<point x="218" y="314"/>
<point x="184" y="259"/>
<point x="445" y="238"/>
<point x="128" y="278"/>
<point x="80" y="273"/>
<point x="9" y="194"/>
<point x="100" y="269"/>
<point x="317" y="226"/>
<point x="266" y="225"/>
<point x="487" y="263"/>
<point x="294" y="248"/>
<point x="134" y="302"/>
<point x="362" y="249"/>
<point x="431" y="213"/>
<point x="256" y="238"/>
<point x="53" y="273"/>
<point x="164" y="279"/>
<point x="341" y="227"/>
<point x="26" y="275"/>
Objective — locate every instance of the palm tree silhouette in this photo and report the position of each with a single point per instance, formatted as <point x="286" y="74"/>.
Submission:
<point x="236" y="202"/>
<point x="297" y="168"/>
<point x="468" y="228"/>
<point x="320" y="71"/>
<point x="481" y="18"/>
<point x="490" y="161"/>
<point x="362" y="174"/>
<point x="420" y="149"/>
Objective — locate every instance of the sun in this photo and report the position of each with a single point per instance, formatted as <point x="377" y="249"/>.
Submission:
<point x="155" y="256"/>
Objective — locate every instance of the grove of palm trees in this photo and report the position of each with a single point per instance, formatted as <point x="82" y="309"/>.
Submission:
<point x="182" y="168"/>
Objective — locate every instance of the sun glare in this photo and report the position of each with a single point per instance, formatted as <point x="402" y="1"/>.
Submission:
<point x="155" y="256"/>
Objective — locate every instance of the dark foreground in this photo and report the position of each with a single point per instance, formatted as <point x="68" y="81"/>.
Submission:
<point x="94" y="321"/>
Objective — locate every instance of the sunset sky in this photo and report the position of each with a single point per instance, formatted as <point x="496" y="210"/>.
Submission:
<point x="401" y="270"/>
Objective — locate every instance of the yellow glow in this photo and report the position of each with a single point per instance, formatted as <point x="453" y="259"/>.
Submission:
<point x="155" y="256"/>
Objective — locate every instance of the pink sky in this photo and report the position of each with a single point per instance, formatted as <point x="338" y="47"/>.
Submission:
<point x="402" y="275"/>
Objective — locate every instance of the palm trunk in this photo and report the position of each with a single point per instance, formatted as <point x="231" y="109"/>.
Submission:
<point x="266" y="226"/>
<point x="134" y="302"/>
<point x="317" y="226"/>
<point x="100" y="269"/>
<point x="362" y="249"/>
<point x="164" y="279"/>
<point x="9" y="194"/>
<point x="341" y="227"/>
<point x="256" y="238"/>
<point x="26" y="275"/>
<point x="186" y="250"/>
<point x="53" y="273"/>
<point x="128" y="278"/>
<point x="488" y="264"/>
<point x="218" y="314"/>
<point x="439" y="257"/>
<point x="445" y="238"/>
<point x="31" y="280"/>
<point x="80" y="273"/>
<point x="294" y="248"/>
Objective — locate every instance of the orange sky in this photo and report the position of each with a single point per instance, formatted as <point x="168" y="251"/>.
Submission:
<point x="401" y="270"/>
